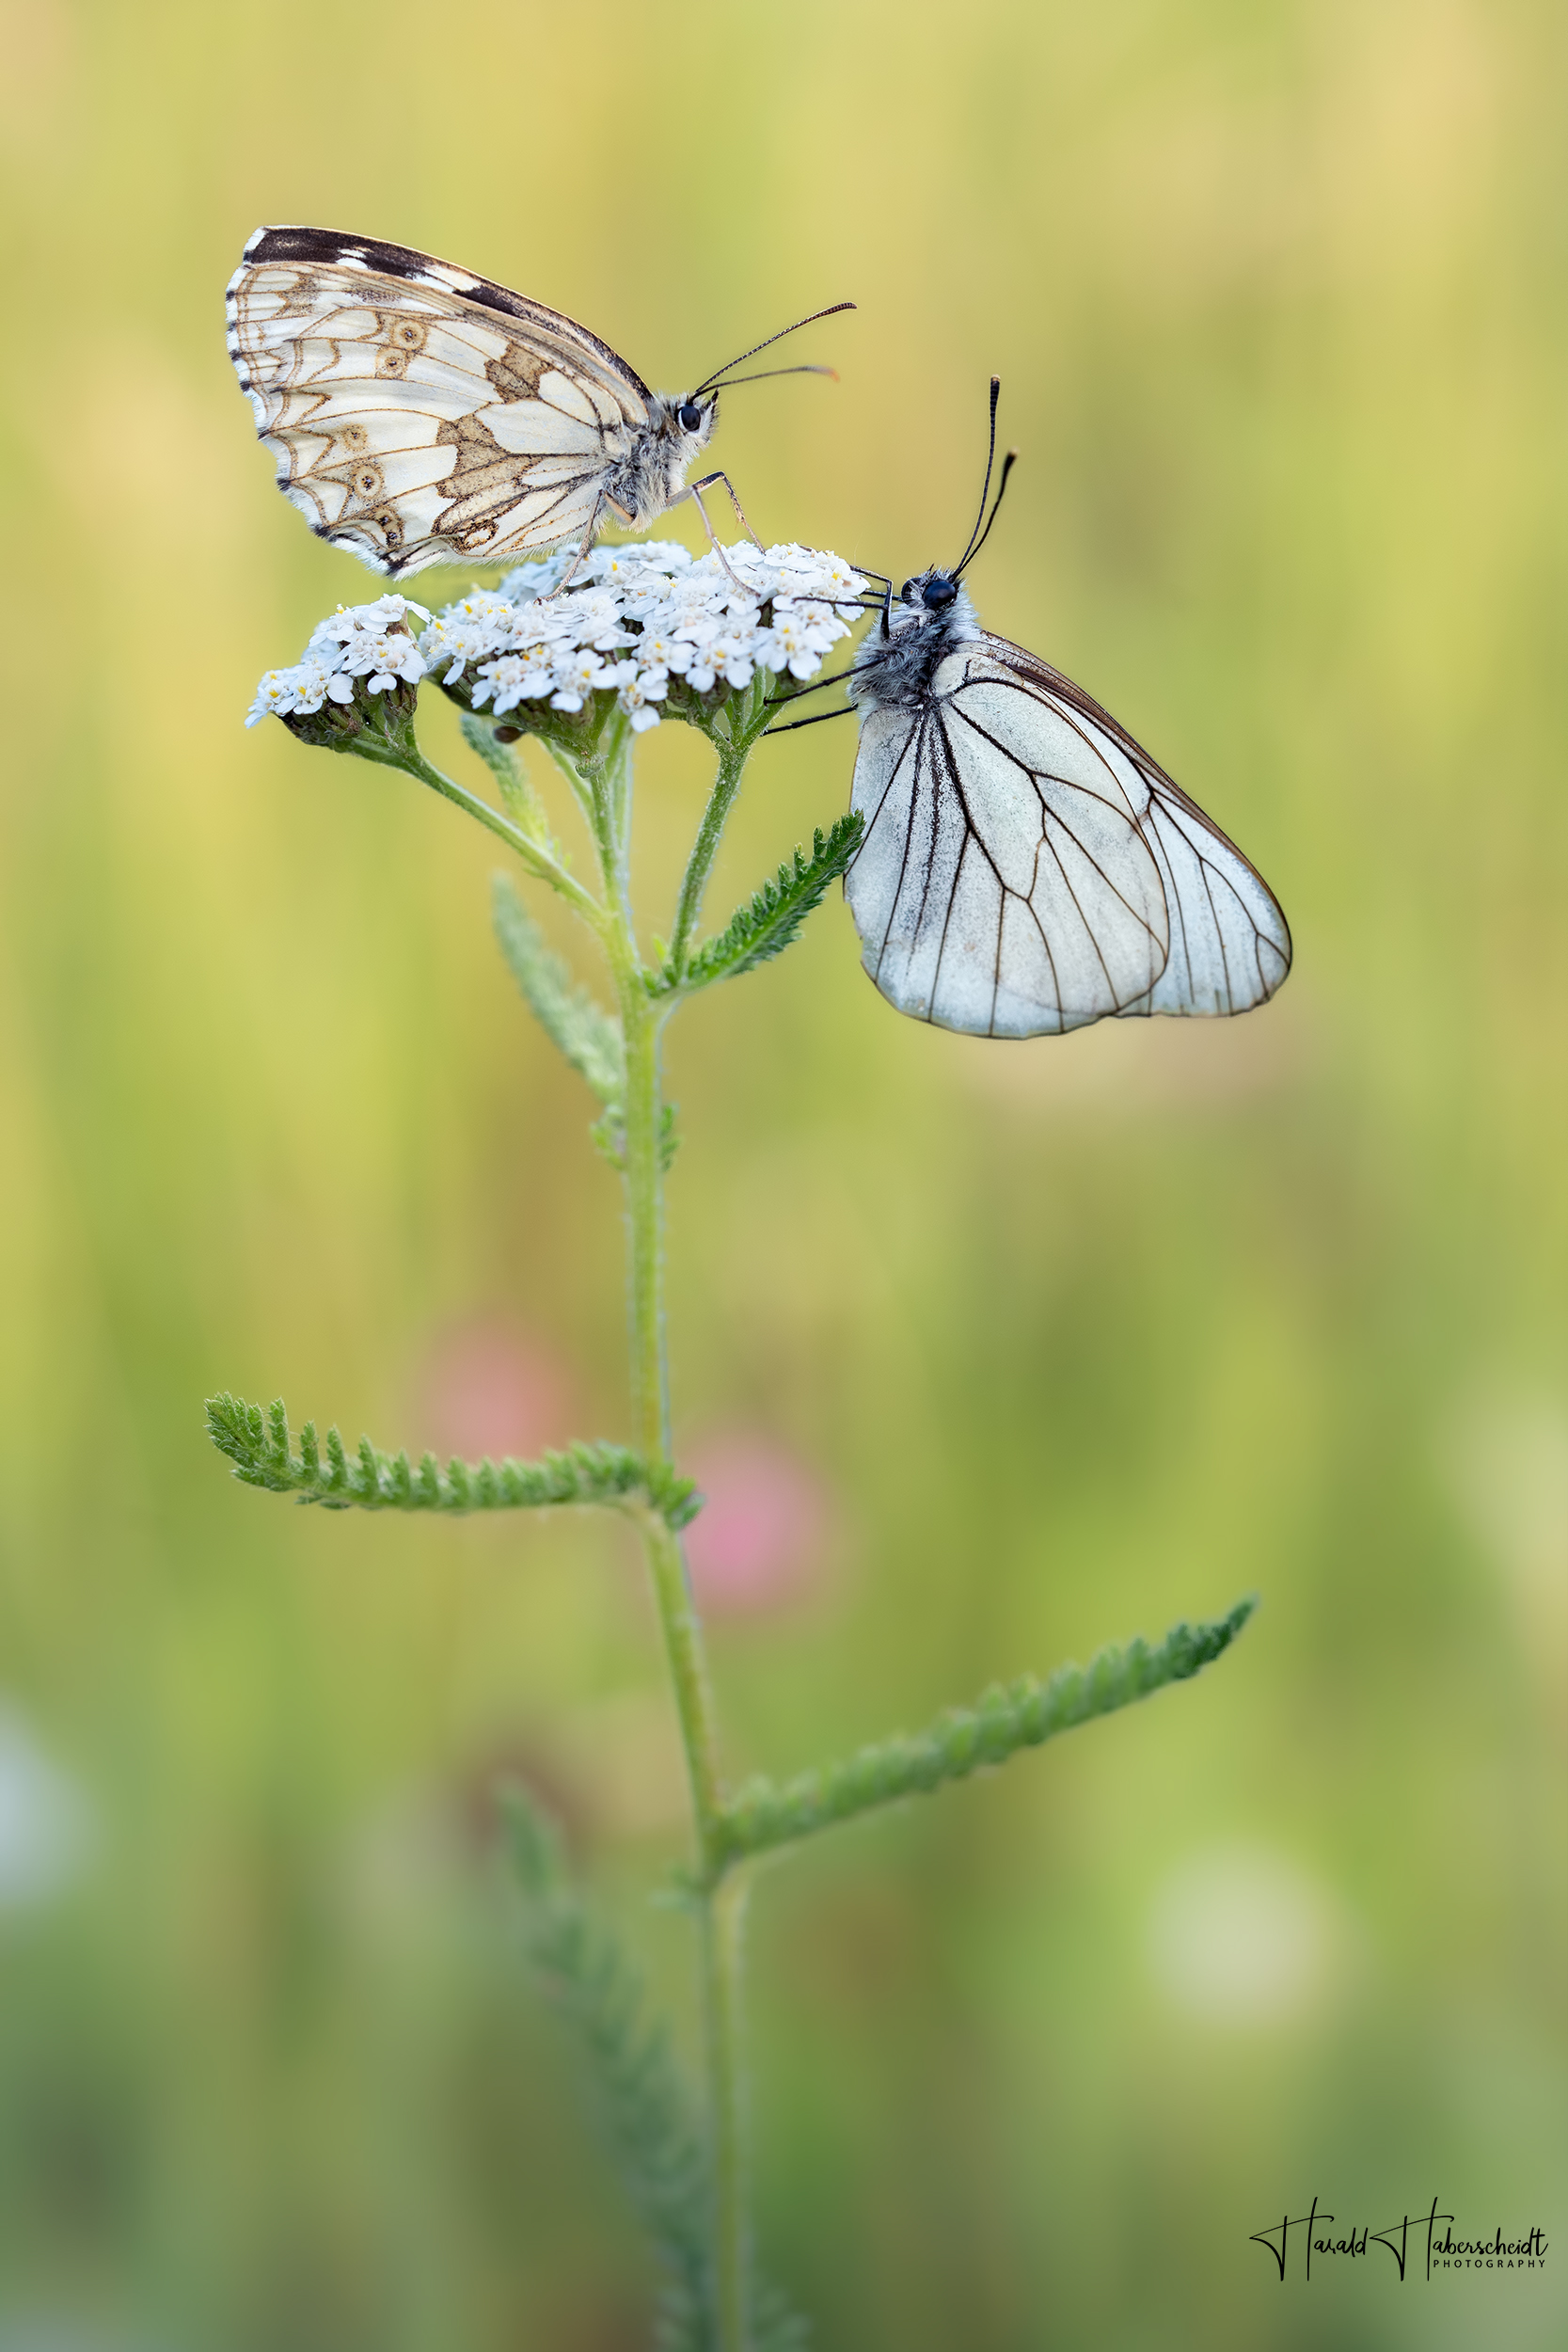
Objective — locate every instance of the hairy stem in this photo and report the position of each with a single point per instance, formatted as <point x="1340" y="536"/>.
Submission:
<point x="644" y="1191"/>
<point x="534" y="856"/>
<point x="724" y="1954"/>
<point x="718" y="1894"/>
<point x="733" y="750"/>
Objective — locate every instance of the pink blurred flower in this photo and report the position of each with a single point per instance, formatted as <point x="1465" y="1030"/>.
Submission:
<point x="759" y="1538"/>
<point x="484" y="1389"/>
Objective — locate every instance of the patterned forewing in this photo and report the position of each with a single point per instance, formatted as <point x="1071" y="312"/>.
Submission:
<point x="418" y="413"/>
<point x="1003" y="886"/>
<point x="1229" y="941"/>
<point x="1086" y="930"/>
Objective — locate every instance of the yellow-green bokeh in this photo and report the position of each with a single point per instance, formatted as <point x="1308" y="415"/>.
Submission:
<point x="1081" y="1335"/>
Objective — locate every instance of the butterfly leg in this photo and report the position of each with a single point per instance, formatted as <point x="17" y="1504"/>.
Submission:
<point x="693" y="491"/>
<point x="706" y="484"/>
<point x="575" y="565"/>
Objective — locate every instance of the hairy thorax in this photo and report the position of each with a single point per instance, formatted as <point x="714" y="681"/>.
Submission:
<point x="905" y="648"/>
<point x="652" y="475"/>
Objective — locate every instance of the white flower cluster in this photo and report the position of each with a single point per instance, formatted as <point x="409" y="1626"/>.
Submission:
<point x="360" y="642"/>
<point x="642" y="616"/>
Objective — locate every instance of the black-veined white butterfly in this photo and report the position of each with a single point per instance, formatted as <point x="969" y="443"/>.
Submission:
<point x="1026" y="867"/>
<point x="421" y="415"/>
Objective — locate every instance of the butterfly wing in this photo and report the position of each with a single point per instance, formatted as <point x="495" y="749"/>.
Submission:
<point x="1229" y="941"/>
<point x="420" y="414"/>
<point x="1004" y="885"/>
<point x="1026" y="868"/>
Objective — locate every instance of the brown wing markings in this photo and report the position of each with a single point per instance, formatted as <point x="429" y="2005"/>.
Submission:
<point x="355" y="258"/>
<point x="310" y="298"/>
<point x="516" y="374"/>
<point x="485" y="475"/>
<point x="295" y="285"/>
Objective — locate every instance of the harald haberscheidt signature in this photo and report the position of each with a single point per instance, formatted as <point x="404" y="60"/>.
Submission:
<point x="1309" y="2236"/>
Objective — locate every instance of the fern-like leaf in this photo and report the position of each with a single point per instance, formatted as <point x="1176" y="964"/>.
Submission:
<point x="766" y="1813"/>
<point x="644" y="2109"/>
<point x="773" y="920"/>
<point x="589" y="1037"/>
<point x="260" y="1447"/>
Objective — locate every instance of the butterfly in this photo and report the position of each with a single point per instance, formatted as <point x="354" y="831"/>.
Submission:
<point x="1025" y="866"/>
<point x="421" y="415"/>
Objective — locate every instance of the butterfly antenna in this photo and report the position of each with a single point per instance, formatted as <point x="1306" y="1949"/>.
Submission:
<point x="1007" y="464"/>
<point x="710" y="383"/>
<point x="984" y="487"/>
<point x="763" y="373"/>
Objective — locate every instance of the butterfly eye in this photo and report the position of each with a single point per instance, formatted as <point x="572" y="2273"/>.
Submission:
<point x="940" y="594"/>
<point x="906" y="594"/>
<point x="688" y="416"/>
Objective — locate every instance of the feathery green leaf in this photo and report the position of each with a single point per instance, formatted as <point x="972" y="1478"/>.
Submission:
<point x="773" y="918"/>
<point x="766" y="1813"/>
<point x="644" y="2107"/>
<point x="258" y="1444"/>
<point x="589" y="1037"/>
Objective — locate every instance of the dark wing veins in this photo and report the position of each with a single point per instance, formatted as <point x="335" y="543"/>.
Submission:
<point x="1118" y="806"/>
<point x="1169" y="804"/>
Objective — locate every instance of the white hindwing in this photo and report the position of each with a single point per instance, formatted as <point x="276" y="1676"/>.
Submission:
<point x="1027" y="869"/>
<point x="419" y="414"/>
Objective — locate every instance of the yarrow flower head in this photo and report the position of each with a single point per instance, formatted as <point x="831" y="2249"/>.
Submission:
<point x="361" y="651"/>
<point x="650" y="627"/>
<point x="648" y="630"/>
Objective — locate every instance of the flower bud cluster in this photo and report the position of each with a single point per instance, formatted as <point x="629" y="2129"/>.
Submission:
<point x="362" y="645"/>
<point x="645" y="617"/>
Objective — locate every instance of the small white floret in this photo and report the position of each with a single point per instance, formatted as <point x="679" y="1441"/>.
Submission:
<point x="371" y="641"/>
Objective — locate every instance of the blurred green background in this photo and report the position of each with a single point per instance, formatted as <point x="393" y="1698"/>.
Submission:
<point x="1040" y="1344"/>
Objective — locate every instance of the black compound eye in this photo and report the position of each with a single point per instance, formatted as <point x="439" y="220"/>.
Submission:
<point x="906" y="594"/>
<point x="688" y="416"/>
<point x="939" y="592"/>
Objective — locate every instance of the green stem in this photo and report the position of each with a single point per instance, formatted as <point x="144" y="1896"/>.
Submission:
<point x="733" y="750"/>
<point x="723" y="1926"/>
<point x="644" y="1188"/>
<point x="682" y="1646"/>
<point x="719" y="1894"/>
<point x="538" y="860"/>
